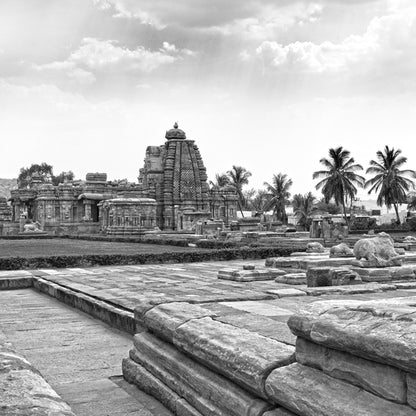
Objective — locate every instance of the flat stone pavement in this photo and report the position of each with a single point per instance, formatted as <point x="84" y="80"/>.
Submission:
<point x="79" y="356"/>
<point x="262" y="306"/>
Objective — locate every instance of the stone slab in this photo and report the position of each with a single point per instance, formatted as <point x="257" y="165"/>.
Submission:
<point x="350" y="290"/>
<point x="249" y="275"/>
<point x="329" y="262"/>
<point x="380" y="379"/>
<point x="289" y="292"/>
<point x="164" y="319"/>
<point x="373" y="274"/>
<point x="292" y="279"/>
<point x="23" y="391"/>
<point x="309" y="392"/>
<point x="283" y="262"/>
<point x="17" y="282"/>
<point x="204" y="389"/>
<point x="411" y="390"/>
<point x="242" y="356"/>
<point x="379" y="330"/>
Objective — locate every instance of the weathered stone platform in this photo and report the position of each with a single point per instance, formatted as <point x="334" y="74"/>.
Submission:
<point x="207" y="346"/>
<point x="28" y="393"/>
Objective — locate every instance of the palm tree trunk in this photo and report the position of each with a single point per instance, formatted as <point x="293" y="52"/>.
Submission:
<point x="345" y="214"/>
<point x="241" y="209"/>
<point x="396" y="208"/>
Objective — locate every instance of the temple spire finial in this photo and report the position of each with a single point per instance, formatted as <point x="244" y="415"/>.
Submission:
<point x="176" y="125"/>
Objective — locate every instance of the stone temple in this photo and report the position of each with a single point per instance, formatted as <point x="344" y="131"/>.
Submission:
<point x="172" y="193"/>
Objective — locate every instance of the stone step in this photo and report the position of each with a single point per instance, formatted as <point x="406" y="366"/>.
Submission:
<point x="379" y="330"/>
<point x="309" y="392"/>
<point x="138" y="375"/>
<point x="244" y="357"/>
<point x="205" y="390"/>
<point x="383" y="380"/>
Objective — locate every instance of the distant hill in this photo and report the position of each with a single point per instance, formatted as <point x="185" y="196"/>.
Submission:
<point x="6" y="185"/>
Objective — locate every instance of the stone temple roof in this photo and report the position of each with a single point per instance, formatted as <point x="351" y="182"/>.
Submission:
<point x="175" y="133"/>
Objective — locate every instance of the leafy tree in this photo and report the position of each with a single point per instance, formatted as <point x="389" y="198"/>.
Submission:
<point x="329" y="207"/>
<point x="56" y="180"/>
<point x="248" y="197"/>
<point x="221" y="180"/>
<point x="43" y="171"/>
<point x="279" y="195"/>
<point x="411" y="202"/>
<point x="340" y="181"/>
<point x="238" y="178"/>
<point x="389" y="179"/>
<point x="260" y="200"/>
<point x="303" y="206"/>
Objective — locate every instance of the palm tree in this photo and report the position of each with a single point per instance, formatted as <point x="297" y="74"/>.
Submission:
<point x="339" y="181"/>
<point x="411" y="202"/>
<point x="389" y="180"/>
<point x="221" y="180"/>
<point x="303" y="205"/>
<point x="279" y="195"/>
<point x="260" y="199"/>
<point x="238" y="177"/>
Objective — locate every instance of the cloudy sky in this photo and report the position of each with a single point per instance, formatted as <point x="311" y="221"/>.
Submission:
<point x="271" y="85"/>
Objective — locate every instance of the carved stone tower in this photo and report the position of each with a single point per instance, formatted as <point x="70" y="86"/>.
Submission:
<point x="174" y="174"/>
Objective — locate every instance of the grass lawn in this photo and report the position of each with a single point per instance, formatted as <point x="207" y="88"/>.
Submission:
<point x="67" y="247"/>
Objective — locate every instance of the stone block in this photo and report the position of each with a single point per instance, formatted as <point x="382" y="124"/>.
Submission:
<point x="402" y="273"/>
<point x="315" y="247"/>
<point x="382" y="330"/>
<point x="349" y="290"/>
<point x="249" y="275"/>
<point x="344" y="276"/>
<point x="249" y="267"/>
<point x="309" y="392"/>
<point x="205" y="390"/>
<point x="411" y="390"/>
<point x="318" y="276"/>
<point x="375" y="274"/>
<point x="242" y="356"/>
<point x="328" y="262"/>
<point x="383" y="380"/>
<point x="284" y="293"/>
<point x="164" y="319"/>
<point x="283" y="262"/>
<point x="292" y="279"/>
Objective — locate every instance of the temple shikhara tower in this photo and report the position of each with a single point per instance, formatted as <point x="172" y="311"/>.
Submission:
<point x="175" y="176"/>
<point x="172" y="194"/>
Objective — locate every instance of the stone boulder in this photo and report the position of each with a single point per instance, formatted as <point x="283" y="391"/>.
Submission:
<point x="315" y="247"/>
<point x="341" y="250"/>
<point x="409" y="239"/>
<point x="377" y="252"/>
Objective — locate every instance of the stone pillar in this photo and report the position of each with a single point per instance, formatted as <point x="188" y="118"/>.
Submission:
<point x="87" y="216"/>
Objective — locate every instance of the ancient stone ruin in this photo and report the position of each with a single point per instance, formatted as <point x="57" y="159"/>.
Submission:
<point x="172" y="193"/>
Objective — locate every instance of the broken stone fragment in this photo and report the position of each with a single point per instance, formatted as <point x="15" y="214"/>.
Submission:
<point x="377" y="252"/>
<point x="319" y="276"/>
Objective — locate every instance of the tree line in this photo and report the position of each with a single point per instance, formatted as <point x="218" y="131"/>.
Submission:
<point x="338" y="181"/>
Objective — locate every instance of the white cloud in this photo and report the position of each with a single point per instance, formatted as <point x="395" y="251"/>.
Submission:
<point x="271" y="20"/>
<point x="94" y="56"/>
<point x="98" y="54"/>
<point x="390" y="38"/>
<point x="122" y="10"/>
